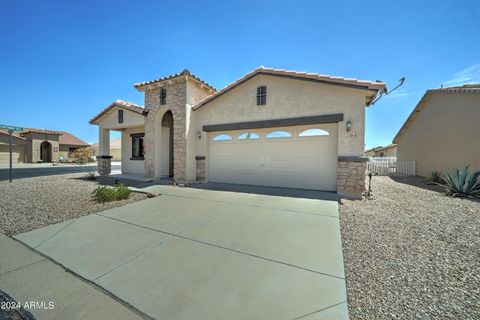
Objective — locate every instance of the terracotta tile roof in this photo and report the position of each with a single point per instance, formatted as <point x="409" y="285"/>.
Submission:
<point x="466" y="88"/>
<point x="42" y="131"/>
<point x="69" y="139"/>
<point x="361" y="84"/>
<point x="15" y="134"/>
<point x="176" y="75"/>
<point x="122" y="104"/>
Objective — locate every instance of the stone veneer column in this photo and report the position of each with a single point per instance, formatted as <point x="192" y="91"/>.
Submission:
<point x="200" y="169"/>
<point x="351" y="176"/>
<point x="104" y="165"/>
<point x="175" y="102"/>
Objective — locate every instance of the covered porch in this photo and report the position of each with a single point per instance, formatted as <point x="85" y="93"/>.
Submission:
<point x="128" y="119"/>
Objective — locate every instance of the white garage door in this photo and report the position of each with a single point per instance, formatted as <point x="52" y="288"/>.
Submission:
<point x="292" y="157"/>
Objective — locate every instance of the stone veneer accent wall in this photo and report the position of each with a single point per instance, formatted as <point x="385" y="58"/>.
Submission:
<point x="351" y="176"/>
<point x="200" y="168"/>
<point x="175" y="102"/>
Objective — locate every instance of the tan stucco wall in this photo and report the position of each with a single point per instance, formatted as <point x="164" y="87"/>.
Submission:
<point x="130" y="119"/>
<point x="19" y="150"/>
<point x="286" y="98"/>
<point x="389" y="152"/>
<point x="35" y="140"/>
<point x="131" y="166"/>
<point x="444" y="135"/>
<point x="18" y="154"/>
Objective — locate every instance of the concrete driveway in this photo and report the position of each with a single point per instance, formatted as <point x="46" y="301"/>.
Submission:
<point x="202" y="254"/>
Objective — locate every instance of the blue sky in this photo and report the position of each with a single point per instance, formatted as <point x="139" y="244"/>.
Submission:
<point x="63" y="61"/>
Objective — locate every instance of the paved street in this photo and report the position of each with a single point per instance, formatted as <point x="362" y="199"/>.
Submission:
<point x="39" y="171"/>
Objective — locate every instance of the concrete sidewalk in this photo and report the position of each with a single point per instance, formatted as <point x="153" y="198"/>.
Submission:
<point x="29" y="277"/>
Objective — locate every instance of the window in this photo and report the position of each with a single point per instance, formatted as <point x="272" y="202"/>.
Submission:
<point x="261" y="96"/>
<point x="137" y="146"/>
<point x="163" y="96"/>
<point x="278" y="134"/>
<point x="248" y="136"/>
<point x="120" y="116"/>
<point x="313" y="133"/>
<point x="222" y="137"/>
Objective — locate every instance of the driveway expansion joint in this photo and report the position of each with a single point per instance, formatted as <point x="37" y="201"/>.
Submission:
<point x="320" y="310"/>
<point x="228" y="249"/>
<point x="283" y="211"/>
<point x="56" y="233"/>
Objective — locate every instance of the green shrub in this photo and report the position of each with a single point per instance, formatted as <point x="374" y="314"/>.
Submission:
<point x="107" y="194"/>
<point x="462" y="183"/>
<point x="436" y="177"/>
<point x="122" y="191"/>
<point x="83" y="155"/>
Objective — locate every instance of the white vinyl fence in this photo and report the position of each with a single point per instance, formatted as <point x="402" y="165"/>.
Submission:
<point x="390" y="166"/>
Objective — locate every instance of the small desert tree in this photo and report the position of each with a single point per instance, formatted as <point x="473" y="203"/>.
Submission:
<point x="83" y="155"/>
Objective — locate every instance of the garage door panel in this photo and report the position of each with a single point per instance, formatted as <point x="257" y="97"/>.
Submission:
<point x="296" y="162"/>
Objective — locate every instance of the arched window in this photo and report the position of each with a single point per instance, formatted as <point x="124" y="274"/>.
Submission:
<point x="222" y="137"/>
<point x="278" y="134"/>
<point x="313" y="133"/>
<point x="248" y="136"/>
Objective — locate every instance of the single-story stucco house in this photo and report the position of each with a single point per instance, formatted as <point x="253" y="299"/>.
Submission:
<point x="387" y="151"/>
<point x="38" y="145"/>
<point x="271" y="127"/>
<point x="442" y="132"/>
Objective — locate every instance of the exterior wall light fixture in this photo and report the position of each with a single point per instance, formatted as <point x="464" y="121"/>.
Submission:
<point x="349" y="126"/>
<point x="199" y="135"/>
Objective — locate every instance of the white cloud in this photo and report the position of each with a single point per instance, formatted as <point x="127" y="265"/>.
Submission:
<point x="465" y="76"/>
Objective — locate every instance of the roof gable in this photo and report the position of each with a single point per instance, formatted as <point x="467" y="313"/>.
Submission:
<point x="464" y="89"/>
<point x="314" y="77"/>
<point x="119" y="104"/>
<point x="185" y="73"/>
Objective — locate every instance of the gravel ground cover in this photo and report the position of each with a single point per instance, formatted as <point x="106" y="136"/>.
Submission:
<point x="27" y="204"/>
<point x="411" y="253"/>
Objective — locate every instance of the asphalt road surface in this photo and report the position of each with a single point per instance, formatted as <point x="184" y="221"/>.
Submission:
<point x="19" y="173"/>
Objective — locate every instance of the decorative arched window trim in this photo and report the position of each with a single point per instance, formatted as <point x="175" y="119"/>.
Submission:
<point x="314" y="132"/>
<point x="222" y="137"/>
<point x="248" y="136"/>
<point x="278" y="134"/>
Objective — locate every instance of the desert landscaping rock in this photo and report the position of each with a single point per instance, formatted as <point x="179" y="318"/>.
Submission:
<point x="411" y="253"/>
<point x="28" y="204"/>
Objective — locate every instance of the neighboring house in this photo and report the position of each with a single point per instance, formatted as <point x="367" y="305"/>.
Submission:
<point x="442" y="132"/>
<point x="271" y="127"/>
<point x="387" y="151"/>
<point x="38" y="145"/>
<point x="115" y="149"/>
<point x="69" y="144"/>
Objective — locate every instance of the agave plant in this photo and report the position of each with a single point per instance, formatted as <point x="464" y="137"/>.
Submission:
<point x="462" y="183"/>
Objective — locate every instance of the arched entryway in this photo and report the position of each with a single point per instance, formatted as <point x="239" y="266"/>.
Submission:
<point x="167" y="144"/>
<point x="46" y="151"/>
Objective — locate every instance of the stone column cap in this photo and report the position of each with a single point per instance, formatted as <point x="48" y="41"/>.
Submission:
<point x="353" y="158"/>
